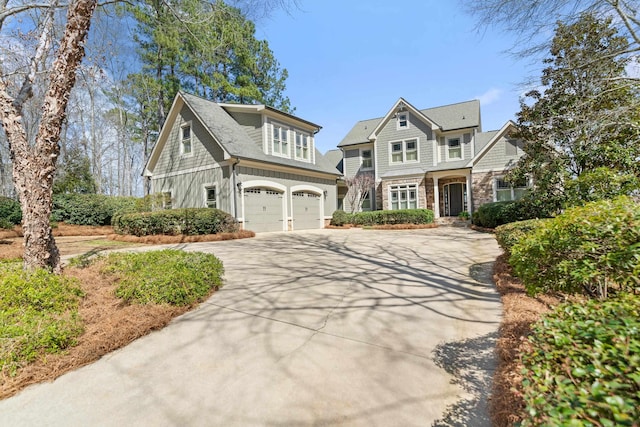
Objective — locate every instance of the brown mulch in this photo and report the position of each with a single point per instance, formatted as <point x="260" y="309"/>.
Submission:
<point x="162" y="239"/>
<point x="384" y="227"/>
<point x="109" y="324"/>
<point x="62" y="230"/>
<point x="520" y="311"/>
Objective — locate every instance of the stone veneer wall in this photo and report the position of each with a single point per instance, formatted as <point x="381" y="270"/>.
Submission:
<point x="483" y="187"/>
<point x="384" y="191"/>
<point x="441" y="184"/>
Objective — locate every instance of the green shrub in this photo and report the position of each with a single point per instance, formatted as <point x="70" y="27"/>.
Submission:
<point x="404" y="216"/>
<point x="508" y="235"/>
<point x="10" y="211"/>
<point x="587" y="249"/>
<point x="168" y="276"/>
<point x="176" y="221"/>
<point x="38" y="313"/>
<point x="340" y="218"/>
<point x="491" y="215"/>
<point x="90" y="209"/>
<point x="583" y="368"/>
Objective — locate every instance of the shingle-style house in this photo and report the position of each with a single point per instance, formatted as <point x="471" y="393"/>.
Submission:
<point x="437" y="158"/>
<point x="253" y="161"/>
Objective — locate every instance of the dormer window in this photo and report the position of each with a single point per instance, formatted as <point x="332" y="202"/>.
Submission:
<point x="185" y="139"/>
<point x="280" y="142"/>
<point x="402" y="120"/>
<point x="302" y="146"/>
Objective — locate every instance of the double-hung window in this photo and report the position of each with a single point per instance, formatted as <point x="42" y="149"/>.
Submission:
<point x="302" y="146"/>
<point x="366" y="160"/>
<point x="402" y="121"/>
<point x="185" y="139"/>
<point x="505" y="191"/>
<point x="454" y="149"/>
<point x="280" y="141"/>
<point x="404" y="196"/>
<point x="404" y="151"/>
<point x="210" y="197"/>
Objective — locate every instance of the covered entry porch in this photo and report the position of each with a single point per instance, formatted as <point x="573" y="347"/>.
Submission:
<point x="450" y="192"/>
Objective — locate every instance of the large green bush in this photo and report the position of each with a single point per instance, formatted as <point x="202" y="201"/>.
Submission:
<point x="165" y="277"/>
<point x="403" y="216"/>
<point x="340" y="218"/>
<point x="91" y="209"/>
<point x="589" y="249"/>
<point x="176" y="221"/>
<point x="491" y="215"/>
<point x="10" y="212"/>
<point x="38" y="313"/>
<point x="583" y="368"/>
<point x="508" y="235"/>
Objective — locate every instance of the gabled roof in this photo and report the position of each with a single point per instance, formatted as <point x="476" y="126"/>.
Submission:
<point x="335" y="157"/>
<point x="231" y="137"/>
<point x="489" y="139"/>
<point x="445" y="118"/>
<point x="401" y="103"/>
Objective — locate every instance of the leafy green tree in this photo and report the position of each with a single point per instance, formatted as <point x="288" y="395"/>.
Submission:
<point x="585" y="117"/>
<point x="74" y="175"/>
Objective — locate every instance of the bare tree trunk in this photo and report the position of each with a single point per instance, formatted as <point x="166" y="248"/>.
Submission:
<point x="35" y="166"/>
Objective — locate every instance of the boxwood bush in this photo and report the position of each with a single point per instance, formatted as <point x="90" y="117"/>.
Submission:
<point x="340" y="218"/>
<point x="404" y="216"/>
<point x="583" y="365"/>
<point x="176" y="221"/>
<point x="491" y="215"/>
<point x="508" y="235"/>
<point x="10" y="212"/>
<point x="91" y="209"/>
<point x="591" y="249"/>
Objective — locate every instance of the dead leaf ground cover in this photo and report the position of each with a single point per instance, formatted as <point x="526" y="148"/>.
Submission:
<point x="109" y="322"/>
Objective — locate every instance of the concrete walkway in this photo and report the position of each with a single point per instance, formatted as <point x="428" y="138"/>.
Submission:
<point x="327" y="327"/>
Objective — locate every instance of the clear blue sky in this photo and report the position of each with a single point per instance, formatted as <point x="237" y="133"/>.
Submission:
<point x="350" y="60"/>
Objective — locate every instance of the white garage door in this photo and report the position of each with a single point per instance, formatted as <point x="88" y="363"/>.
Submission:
<point x="263" y="210"/>
<point x="306" y="210"/>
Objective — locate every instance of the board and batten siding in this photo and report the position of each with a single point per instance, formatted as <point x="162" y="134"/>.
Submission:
<point x="503" y="155"/>
<point x="246" y="174"/>
<point x="252" y="124"/>
<point x="204" y="150"/>
<point x="188" y="189"/>
<point x="389" y="133"/>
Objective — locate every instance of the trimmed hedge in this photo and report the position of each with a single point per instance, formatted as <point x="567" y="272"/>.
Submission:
<point x="491" y="215"/>
<point x="10" y="212"/>
<point x="172" y="222"/>
<point x="91" y="209"/>
<point x="589" y="249"/>
<point x="508" y="235"/>
<point x="340" y="218"/>
<point x="403" y="216"/>
<point x="583" y="365"/>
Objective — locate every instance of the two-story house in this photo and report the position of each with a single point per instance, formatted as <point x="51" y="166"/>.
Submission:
<point x="437" y="158"/>
<point x="253" y="161"/>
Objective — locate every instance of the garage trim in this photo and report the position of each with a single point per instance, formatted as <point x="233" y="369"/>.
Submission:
<point x="310" y="189"/>
<point x="267" y="184"/>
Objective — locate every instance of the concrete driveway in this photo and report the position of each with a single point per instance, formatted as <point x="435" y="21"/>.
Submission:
<point x="327" y="327"/>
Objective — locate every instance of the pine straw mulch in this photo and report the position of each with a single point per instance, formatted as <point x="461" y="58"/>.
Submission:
<point x="109" y="323"/>
<point x="520" y="311"/>
<point x="63" y="230"/>
<point x="163" y="239"/>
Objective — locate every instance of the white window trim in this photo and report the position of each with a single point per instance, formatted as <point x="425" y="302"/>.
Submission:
<point x="408" y="126"/>
<point x="447" y="148"/>
<point x="182" y="126"/>
<point x="408" y="185"/>
<point x="511" y="187"/>
<point x="404" y="151"/>
<point x="362" y="158"/>
<point x="205" y="187"/>
<point x="288" y="132"/>
<point x="309" y="139"/>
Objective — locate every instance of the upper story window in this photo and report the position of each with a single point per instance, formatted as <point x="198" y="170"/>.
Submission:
<point x="303" y="146"/>
<point x="454" y="149"/>
<point x="280" y="140"/>
<point x="186" y="145"/>
<point x="404" y="151"/>
<point x="366" y="160"/>
<point x="504" y="191"/>
<point x="402" y="120"/>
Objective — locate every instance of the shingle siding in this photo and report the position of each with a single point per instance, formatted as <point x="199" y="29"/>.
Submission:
<point x="496" y="158"/>
<point x="389" y="133"/>
<point x="252" y="124"/>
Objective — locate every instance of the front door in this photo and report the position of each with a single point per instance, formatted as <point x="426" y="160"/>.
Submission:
<point x="455" y="199"/>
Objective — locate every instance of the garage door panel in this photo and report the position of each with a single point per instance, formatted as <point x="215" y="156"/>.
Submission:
<point x="306" y="211"/>
<point x="263" y="210"/>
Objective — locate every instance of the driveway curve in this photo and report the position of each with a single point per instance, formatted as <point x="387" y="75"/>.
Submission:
<point x="325" y="327"/>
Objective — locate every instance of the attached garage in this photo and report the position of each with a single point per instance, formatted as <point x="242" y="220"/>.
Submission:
<point x="306" y="210"/>
<point x="263" y="210"/>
